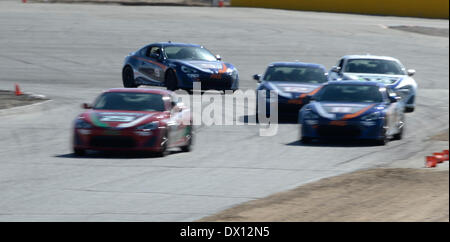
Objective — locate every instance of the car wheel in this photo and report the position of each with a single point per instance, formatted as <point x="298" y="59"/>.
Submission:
<point x="128" y="77"/>
<point x="306" y="140"/>
<point x="188" y="146"/>
<point x="171" y="81"/>
<point x="399" y="135"/>
<point x="409" y="109"/>
<point x="79" y="152"/>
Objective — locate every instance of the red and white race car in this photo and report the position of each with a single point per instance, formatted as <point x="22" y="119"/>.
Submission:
<point x="133" y="119"/>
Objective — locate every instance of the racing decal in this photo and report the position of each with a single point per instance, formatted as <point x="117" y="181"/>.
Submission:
<point x="343" y="108"/>
<point x="296" y="88"/>
<point x="354" y="115"/>
<point x="304" y="95"/>
<point x="101" y="119"/>
<point x="157" y="73"/>
<point x="322" y="112"/>
<point x="164" y="67"/>
<point x="382" y="79"/>
<point x="117" y="119"/>
<point x="135" y="122"/>
<point x="220" y="72"/>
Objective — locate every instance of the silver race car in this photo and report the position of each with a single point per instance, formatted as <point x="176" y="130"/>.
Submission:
<point x="386" y="70"/>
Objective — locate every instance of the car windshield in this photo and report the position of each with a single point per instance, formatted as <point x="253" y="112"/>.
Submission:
<point x="350" y="94"/>
<point x="130" y="102"/>
<point x="311" y="75"/>
<point x="189" y="53"/>
<point x="374" y="66"/>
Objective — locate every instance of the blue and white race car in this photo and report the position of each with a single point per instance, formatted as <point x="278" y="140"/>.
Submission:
<point x="178" y="66"/>
<point x="386" y="70"/>
<point x="352" y="109"/>
<point x="291" y="81"/>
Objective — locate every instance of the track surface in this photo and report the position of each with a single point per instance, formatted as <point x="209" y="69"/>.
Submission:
<point x="72" y="52"/>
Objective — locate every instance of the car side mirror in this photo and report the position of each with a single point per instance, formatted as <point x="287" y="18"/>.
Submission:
<point x="218" y="57"/>
<point x="257" y="78"/>
<point x="411" y="72"/>
<point x="86" y="106"/>
<point x="336" y="69"/>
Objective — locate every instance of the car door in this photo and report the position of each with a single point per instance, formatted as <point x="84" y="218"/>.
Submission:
<point x="151" y="65"/>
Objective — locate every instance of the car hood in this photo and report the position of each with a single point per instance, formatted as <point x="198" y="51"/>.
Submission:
<point x="206" y="66"/>
<point x="291" y="89"/>
<point x="120" y="119"/>
<point x="385" y="79"/>
<point x="337" y="111"/>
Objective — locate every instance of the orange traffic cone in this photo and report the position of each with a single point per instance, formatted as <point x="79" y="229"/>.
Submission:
<point x="17" y="91"/>
<point x="431" y="162"/>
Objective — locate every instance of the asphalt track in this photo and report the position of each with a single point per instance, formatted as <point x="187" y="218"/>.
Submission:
<point x="70" y="53"/>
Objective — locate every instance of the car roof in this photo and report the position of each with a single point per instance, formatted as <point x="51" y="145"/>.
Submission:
<point x="165" y="44"/>
<point x="375" y="57"/>
<point x="140" y="90"/>
<point x="358" y="83"/>
<point x="297" y="64"/>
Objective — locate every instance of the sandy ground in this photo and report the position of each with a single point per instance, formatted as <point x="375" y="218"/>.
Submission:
<point x="138" y="2"/>
<point x="9" y="100"/>
<point x="388" y="195"/>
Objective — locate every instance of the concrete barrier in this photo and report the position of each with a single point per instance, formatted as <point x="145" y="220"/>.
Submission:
<point x="407" y="8"/>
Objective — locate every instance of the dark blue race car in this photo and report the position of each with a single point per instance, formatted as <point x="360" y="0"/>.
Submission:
<point x="177" y="66"/>
<point x="352" y="109"/>
<point x="291" y="81"/>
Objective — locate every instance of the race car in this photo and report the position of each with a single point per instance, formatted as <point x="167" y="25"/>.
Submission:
<point x="178" y="66"/>
<point x="386" y="70"/>
<point x="355" y="110"/>
<point x="291" y="81"/>
<point x="134" y="119"/>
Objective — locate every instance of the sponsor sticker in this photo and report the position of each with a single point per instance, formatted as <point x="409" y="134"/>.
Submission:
<point x="341" y="110"/>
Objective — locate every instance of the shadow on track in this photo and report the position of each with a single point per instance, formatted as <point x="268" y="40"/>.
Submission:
<point x="335" y="143"/>
<point x="116" y="155"/>
<point x="282" y="120"/>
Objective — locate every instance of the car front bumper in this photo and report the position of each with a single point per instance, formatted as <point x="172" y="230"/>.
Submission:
<point x="332" y="129"/>
<point x="117" y="140"/>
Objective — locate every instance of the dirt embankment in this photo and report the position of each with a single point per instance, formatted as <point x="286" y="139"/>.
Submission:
<point x="138" y="2"/>
<point x="370" y="195"/>
<point x="8" y="99"/>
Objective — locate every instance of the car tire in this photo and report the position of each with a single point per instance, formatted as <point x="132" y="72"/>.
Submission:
<point x="171" y="81"/>
<point x="79" y="152"/>
<point x="409" y="109"/>
<point x="306" y="140"/>
<point x="382" y="142"/>
<point x="399" y="135"/>
<point x="128" y="77"/>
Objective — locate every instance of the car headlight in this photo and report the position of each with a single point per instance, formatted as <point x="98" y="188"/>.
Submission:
<point x="188" y="70"/>
<point x="150" y="126"/>
<point x="82" y="124"/>
<point x="371" y="117"/>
